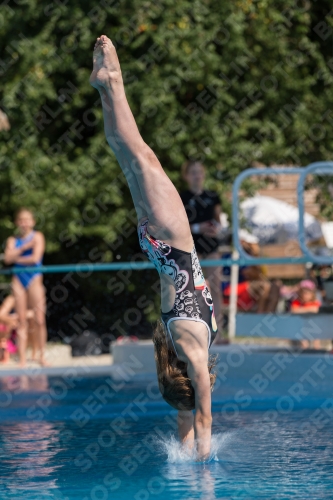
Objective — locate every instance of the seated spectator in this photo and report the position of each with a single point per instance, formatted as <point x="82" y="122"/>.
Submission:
<point x="321" y="273"/>
<point x="8" y="325"/>
<point x="306" y="302"/>
<point x="8" y="322"/>
<point x="255" y="293"/>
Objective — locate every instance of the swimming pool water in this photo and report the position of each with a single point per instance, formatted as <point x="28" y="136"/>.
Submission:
<point x="96" y="438"/>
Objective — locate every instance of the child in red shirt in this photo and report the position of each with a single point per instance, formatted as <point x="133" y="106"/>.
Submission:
<point x="306" y="302"/>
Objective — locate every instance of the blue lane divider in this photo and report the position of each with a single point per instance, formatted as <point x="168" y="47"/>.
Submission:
<point x="140" y="266"/>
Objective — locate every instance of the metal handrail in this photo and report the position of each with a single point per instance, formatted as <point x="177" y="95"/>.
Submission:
<point x="140" y="266"/>
<point x="244" y="257"/>
<point x="235" y="208"/>
<point x="324" y="167"/>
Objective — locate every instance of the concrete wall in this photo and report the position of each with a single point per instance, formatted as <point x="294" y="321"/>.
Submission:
<point x="285" y="326"/>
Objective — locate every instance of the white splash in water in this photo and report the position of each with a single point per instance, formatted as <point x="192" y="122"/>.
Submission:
<point x="178" y="453"/>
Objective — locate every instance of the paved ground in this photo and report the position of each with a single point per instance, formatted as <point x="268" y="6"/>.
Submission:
<point x="60" y="359"/>
<point x="58" y="356"/>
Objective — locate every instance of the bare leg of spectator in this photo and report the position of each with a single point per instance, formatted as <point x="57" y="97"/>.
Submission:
<point x="21" y="309"/>
<point x="36" y="296"/>
<point x="32" y="337"/>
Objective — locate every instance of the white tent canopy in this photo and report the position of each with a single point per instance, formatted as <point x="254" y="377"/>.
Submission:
<point x="275" y="221"/>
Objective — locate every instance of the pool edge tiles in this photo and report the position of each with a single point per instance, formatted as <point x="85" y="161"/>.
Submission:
<point x="235" y="362"/>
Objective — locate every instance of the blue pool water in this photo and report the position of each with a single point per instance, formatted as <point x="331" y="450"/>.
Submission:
<point x="96" y="438"/>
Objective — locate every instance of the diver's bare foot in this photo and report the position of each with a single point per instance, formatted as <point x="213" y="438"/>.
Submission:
<point x="106" y="67"/>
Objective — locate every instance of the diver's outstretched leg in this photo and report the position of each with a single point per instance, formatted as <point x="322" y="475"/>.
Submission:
<point x="163" y="206"/>
<point x="132" y="182"/>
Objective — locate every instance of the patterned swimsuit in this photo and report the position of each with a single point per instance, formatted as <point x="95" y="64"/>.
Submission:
<point x="193" y="299"/>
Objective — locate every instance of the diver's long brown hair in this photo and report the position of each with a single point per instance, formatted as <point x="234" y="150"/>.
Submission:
<point x="173" y="381"/>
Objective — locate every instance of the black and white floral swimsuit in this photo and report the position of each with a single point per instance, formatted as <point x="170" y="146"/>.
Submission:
<point x="193" y="299"/>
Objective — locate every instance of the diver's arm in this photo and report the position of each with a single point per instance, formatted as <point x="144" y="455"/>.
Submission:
<point x="185" y="427"/>
<point x="198" y="373"/>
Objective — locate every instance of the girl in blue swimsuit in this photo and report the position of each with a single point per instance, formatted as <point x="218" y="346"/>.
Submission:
<point x="24" y="250"/>
<point x="188" y="325"/>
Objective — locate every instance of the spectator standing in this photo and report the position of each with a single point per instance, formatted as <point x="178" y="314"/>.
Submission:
<point x="203" y="209"/>
<point x="27" y="249"/>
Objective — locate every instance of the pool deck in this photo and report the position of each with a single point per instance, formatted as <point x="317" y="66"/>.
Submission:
<point x="264" y="376"/>
<point x="60" y="361"/>
<point x="239" y="359"/>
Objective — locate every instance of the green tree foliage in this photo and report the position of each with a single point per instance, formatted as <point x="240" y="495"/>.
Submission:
<point x="227" y="82"/>
<point x="230" y="82"/>
<point x="324" y="186"/>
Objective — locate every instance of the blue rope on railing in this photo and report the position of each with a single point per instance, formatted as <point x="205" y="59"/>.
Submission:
<point x="243" y="260"/>
<point x="140" y="266"/>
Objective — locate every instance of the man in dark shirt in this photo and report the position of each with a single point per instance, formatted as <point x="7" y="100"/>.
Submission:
<point x="203" y="210"/>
